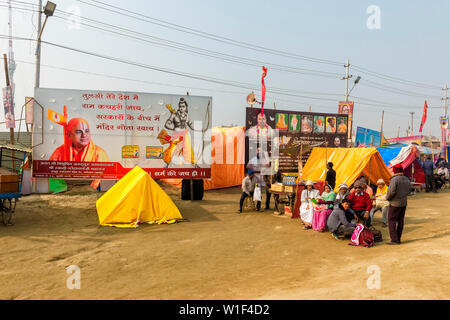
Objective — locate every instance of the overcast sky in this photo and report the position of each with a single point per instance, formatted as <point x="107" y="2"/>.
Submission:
<point x="411" y="44"/>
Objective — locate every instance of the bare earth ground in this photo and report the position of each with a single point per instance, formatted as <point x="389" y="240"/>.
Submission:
<point x="218" y="254"/>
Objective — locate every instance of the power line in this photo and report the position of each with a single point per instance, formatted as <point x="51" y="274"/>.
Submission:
<point x="166" y="24"/>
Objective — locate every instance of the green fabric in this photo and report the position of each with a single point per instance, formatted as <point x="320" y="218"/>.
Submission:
<point x="328" y="196"/>
<point x="58" y="185"/>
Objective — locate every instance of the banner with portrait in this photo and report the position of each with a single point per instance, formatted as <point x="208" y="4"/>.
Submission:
<point x="346" y="108"/>
<point x="104" y="134"/>
<point x="282" y="135"/>
<point x="8" y="105"/>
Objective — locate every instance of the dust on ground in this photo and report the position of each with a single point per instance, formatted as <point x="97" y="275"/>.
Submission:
<point x="217" y="254"/>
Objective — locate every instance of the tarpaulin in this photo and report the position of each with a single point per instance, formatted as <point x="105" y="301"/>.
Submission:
<point x="349" y="164"/>
<point x="135" y="199"/>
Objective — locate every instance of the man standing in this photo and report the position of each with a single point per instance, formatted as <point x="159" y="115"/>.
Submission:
<point x="428" y="167"/>
<point x="331" y="175"/>
<point x="361" y="203"/>
<point x="397" y="195"/>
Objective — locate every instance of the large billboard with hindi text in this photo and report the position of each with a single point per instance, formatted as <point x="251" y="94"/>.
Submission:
<point x="288" y="136"/>
<point x="87" y="134"/>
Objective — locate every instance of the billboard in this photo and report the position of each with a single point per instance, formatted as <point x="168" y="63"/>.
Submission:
<point x="283" y="134"/>
<point x="104" y="134"/>
<point x="367" y="137"/>
<point x="346" y="107"/>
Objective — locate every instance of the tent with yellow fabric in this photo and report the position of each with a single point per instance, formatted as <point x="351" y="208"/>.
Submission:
<point x="135" y="199"/>
<point x="349" y="164"/>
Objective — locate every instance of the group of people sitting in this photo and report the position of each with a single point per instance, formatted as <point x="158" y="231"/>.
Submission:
<point x="351" y="206"/>
<point x="437" y="173"/>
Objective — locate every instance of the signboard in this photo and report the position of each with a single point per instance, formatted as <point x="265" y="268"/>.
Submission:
<point x="103" y="134"/>
<point x="282" y="135"/>
<point x="346" y="107"/>
<point x="400" y="139"/>
<point x="444" y="127"/>
<point x="8" y="104"/>
<point x="367" y="137"/>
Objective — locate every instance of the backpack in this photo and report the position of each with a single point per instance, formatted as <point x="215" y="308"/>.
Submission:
<point x="377" y="237"/>
<point x="362" y="236"/>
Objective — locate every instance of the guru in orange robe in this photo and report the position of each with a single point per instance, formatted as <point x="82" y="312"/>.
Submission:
<point x="78" y="146"/>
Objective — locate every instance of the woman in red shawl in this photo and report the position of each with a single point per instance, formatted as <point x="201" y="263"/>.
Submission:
<point x="78" y="146"/>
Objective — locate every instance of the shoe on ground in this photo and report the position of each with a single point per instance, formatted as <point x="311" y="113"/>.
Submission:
<point x="384" y="225"/>
<point x="239" y="211"/>
<point x="392" y="243"/>
<point x="334" y="235"/>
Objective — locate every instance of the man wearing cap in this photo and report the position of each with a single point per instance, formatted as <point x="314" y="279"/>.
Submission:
<point x="342" y="194"/>
<point x="361" y="203"/>
<point x="248" y="187"/>
<point x="365" y="187"/>
<point x="397" y="195"/>
<point x="380" y="202"/>
<point x="331" y="175"/>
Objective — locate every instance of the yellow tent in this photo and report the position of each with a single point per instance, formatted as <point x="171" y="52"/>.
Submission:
<point x="134" y="199"/>
<point x="349" y="164"/>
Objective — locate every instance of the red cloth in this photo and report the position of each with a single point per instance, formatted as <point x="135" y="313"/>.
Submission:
<point x="362" y="202"/>
<point x="424" y="116"/>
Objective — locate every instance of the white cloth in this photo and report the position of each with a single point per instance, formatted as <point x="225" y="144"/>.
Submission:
<point x="306" y="208"/>
<point x="257" y="194"/>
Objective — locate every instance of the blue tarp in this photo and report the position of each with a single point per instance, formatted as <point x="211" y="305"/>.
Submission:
<point x="388" y="154"/>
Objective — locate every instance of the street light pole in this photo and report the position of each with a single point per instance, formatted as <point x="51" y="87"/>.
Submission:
<point x="38" y="48"/>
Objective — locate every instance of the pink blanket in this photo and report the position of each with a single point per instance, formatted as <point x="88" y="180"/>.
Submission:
<point x="320" y="218"/>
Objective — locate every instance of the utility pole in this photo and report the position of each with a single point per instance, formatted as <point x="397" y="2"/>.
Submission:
<point x="11" y="130"/>
<point x="381" y="131"/>
<point x="412" y="123"/>
<point x="310" y="108"/>
<point x="398" y="132"/>
<point x="38" y="48"/>
<point x="445" y="100"/>
<point x="347" y="76"/>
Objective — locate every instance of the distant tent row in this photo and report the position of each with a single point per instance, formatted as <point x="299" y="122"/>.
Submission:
<point x="349" y="164"/>
<point x="227" y="158"/>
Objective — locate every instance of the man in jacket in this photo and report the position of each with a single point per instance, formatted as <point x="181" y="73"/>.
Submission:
<point x="337" y="222"/>
<point x="361" y="203"/>
<point x="428" y="167"/>
<point x="397" y="195"/>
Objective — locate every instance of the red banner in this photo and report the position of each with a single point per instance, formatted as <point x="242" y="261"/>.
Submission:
<point x="263" y="95"/>
<point x="108" y="170"/>
<point x="424" y="116"/>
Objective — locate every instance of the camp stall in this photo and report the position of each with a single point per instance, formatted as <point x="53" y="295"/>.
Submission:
<point x="349" y="164"/>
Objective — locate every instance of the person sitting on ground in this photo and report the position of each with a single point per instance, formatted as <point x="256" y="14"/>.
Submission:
<point x="306" y="208"/>
<point x="331" y="176"/>
<point x="328" y="195"/>
<point x="365" y="187"/>
<point x="248" y="187"/>
<point x="338" y="223"/>
<point x="361" y="203"/>
<point x="342" y="194"/>
<point x="380" y="202"/>
<point x="443" y="172"/>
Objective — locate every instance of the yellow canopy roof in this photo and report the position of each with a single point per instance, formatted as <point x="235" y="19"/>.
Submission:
<point x="349" y="164"/>
<point x="136" y="198"/>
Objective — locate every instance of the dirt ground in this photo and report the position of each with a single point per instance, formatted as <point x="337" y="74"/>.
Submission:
<point x="217" y="254"/>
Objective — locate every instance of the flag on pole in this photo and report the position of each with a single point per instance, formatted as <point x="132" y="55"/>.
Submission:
<point x="424" y="116"/>
<point x="56" y="117"/>
<point x="263" y="95"/>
